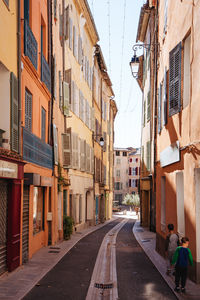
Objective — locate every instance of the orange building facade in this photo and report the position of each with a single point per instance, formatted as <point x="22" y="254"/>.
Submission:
<point x="37" y="200"/>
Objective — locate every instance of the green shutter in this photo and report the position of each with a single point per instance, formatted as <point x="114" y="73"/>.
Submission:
<point x="175" y="80"/>
<point x="148" y="106"/>
<point x="14" y="113"/>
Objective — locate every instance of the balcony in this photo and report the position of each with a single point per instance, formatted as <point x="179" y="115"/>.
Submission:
<point x="45" y="72"/>
<point x="30" y="44"/>
<point x="36" y="151"/>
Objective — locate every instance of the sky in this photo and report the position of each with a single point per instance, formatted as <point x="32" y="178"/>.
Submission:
<point x="116" y="22"/>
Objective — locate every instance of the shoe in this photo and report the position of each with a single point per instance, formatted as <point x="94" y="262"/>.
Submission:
<point x="183" y="290"/>
<point x="177" y="289"/>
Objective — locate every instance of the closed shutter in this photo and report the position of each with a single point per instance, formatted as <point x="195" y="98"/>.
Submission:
<point x="66" y="98"/>
<point x="148" y="106"/>
<point x="25" y="227"/>
<point x="4" y="223"/>
<point x="105" y="141"/>
<point x="72" y="96"/>
<point x="92" y="160"/>
<point x="80" y="53"/>
<point x="80" y="105"/>
<point x="66" y="142"/>
<point x="164" y="119"/>
<point x="28" y="110"/>
<point x="60" y="89"/>
<point x="144" y="113"/>
<point x="73" y="159"/>
<point x="148" y="155"/>
<point x="14" y="113"/>
<point x="70" y="33"/>
<point x="66" y="29"/>
<point x="165" y="18"/>
<point x="68" y="80"/>
<point x="55" y="144"/>
<point x="74" y="41"/>
<point x="87" y="158"/>
<point x="61" y="28"/>
<point x="82" y="155"/>
<point x="93" y="120"/>
<point x="159" y="107"/>
<point x="43" y="126"/>
<point x="55" y="10"/>
<point x="129" y="170"/>
<point x="175" y="80"/>
<point x="55" y="78"/>
<point x="74" y="154"/>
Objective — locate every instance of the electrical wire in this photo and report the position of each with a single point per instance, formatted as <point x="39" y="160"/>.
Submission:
<point x="109" y="37"/>
<point x="122" y="54"/>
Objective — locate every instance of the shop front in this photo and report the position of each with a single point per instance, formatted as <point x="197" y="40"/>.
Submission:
<point x="11" y="175"/>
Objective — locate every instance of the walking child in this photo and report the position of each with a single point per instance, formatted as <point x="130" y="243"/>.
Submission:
<point x="182" y="257"/>
<point x="171" y="243"/>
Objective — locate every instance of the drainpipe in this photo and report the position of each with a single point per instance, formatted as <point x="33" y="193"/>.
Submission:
<point x="19" y="69"/>
<point x="155" y="109"/>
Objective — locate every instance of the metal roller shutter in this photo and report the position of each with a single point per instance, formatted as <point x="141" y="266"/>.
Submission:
<point x="3" y="224"/>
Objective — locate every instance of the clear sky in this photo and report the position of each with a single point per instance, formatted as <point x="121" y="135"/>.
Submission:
<point x="117" y="22"/>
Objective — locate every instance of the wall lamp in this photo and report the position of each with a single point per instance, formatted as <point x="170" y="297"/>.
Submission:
<point x="134" y="63"/>
<point x="101" y="140"/>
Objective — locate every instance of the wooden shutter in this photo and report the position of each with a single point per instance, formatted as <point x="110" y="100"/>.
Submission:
<point x="159" y="107"/>
<point x="28" y="110"/>
<point x="66" y="142"/>
<point x="55" y="78"/>
<point x="76" y="148"/>
<point x="80" y="52"/>
<point x="148" y="106"/>
<point x="43" y="124"/>
<point x="93" y="120"/>
<point x="164" y="119"/>
<point x="66" y="98"/>
<point x="66" y="23"/>
<point x="55" y="144"/>
<point x="92" y="160"/>
<point x="60" y="89"/>
<point x="105" y="141"/>
<point x="61" y="28"/>
<point x="175" y="80"/>
<point x="165" y="18"/>
<point x="148" y="155"/>
<point x="55" y="10"/>
<point x="87" y="158"/>
<point x="14" y="113"/>
<point x="68" y="79"/>
<point x="72" y="96"/>
<point x="70" y="33"/>
<point x="82" y="155"/>
<point x="144" y="113"/>
<point x="73" y="156"/>
<point x="74" y="41"/>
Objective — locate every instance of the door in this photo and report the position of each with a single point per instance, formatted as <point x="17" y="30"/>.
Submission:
<point x="25" y="228"/>
<point x="3" y="224"/>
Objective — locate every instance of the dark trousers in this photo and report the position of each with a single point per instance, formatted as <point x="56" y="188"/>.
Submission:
<point x="180" y="274"/>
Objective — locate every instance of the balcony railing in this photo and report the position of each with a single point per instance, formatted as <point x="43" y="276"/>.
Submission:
<point x="45" y="72"/>
<point x="30" y="44"/>
<point x="36" y="151"/>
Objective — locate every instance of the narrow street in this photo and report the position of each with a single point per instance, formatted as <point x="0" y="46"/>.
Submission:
<point x="91" y="263"/>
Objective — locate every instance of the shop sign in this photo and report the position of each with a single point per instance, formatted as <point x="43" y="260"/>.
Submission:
<point x="8" y="169"/>
<point x="46" y="181"/>
<point x="170" y="154"/>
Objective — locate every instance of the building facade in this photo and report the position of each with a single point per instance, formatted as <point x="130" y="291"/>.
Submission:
<point x="126" y="172"/>
<point x="11" y="164"/>
<point x="174" y="109"/>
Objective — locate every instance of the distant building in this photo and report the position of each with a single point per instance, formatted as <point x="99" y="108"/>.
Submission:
<point x="126" y="172"/>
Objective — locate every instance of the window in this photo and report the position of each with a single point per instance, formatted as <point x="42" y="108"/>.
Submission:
<point x="117" y="153"/>
<point x="38" y="209"/>
<point x="165" y="18"/>
<point x="43" y="125"/>
<point x="148" y="106"/>
<point x="118" y="173"/>
<point x="124" y="153"/>
<point x="148" y="155"/>
<point x="186" y="74"/>
<point x="118" y="161"/>
<point x="117" y="186"/>
<point x="136" y="160"/>
<point x="159" y="107"/>
<point x="144" y="113"/>
<point x="129" y="182"/>
<point x="130" y="160"/>
<point x="28" y="110"/>
<point x="26" y="10"/>
<point x="175" y="80"/>
<point x="133" y="171"/>
<point x="164" y="99"/>
<point x="129" y="171"/>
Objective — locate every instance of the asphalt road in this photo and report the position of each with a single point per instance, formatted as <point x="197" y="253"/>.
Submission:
<point x="70" y="278"/>
<point x="137" y="277"/>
